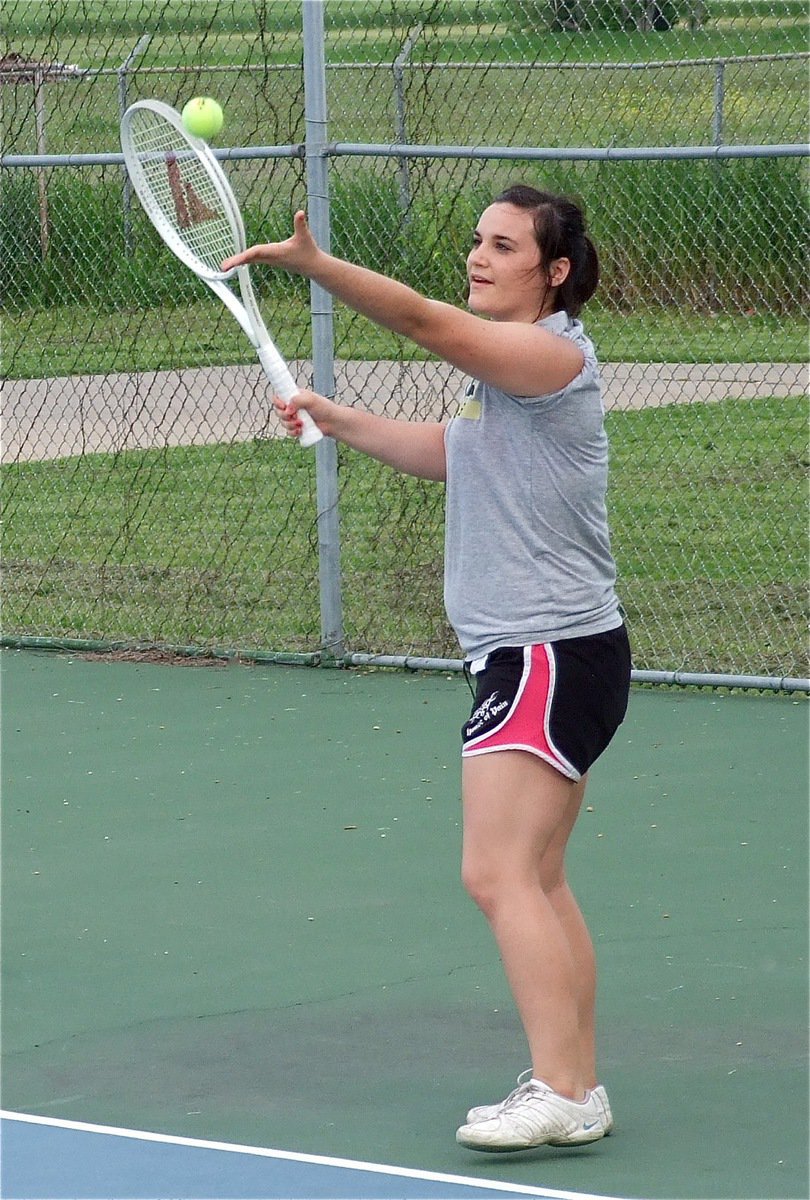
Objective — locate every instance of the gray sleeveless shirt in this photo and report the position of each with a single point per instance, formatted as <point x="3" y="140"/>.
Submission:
<point x="527" y="549"/>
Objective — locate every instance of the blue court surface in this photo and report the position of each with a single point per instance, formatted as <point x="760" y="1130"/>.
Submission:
<point x="237" y="960"/>
<point x="52" y="1158"/>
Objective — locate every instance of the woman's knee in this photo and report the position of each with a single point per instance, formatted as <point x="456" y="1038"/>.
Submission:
<point x="481" y="881"/>
<point x="496" y="882"/>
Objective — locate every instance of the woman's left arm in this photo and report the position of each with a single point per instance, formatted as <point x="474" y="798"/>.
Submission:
<point x="519" y="358"/>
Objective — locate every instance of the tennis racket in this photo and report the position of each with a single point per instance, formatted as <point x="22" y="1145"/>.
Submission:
<point x="188" y="199"/>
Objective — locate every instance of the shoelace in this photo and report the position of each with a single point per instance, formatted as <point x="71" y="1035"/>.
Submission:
<point x="524" y="1087"/>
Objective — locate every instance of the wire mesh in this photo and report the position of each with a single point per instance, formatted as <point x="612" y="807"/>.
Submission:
<point x="148" y="498"/>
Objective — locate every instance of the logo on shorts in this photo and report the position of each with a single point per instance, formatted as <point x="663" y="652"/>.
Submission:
<point x="486" y="712"/>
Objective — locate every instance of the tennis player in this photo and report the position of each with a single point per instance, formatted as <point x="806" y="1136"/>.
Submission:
<point x="529" y="589"/>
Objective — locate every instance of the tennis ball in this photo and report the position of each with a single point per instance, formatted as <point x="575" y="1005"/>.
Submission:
<point x="202" y="116"/>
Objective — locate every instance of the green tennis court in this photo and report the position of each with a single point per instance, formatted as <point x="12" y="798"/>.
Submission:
<point x="231" y="911"/>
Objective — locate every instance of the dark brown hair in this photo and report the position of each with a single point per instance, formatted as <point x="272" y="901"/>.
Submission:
<point x="559" y="227"/>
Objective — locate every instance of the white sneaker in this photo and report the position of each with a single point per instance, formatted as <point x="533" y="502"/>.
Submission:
<point x="603" y="1104"/>
<point x="534" y="1115"/>
<point x="484" y="1112"/>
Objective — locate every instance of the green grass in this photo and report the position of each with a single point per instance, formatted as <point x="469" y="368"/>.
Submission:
<point x="766" y="102"/>
<point x="700" y="259"/>
<point x="203" y="546"/>
<point x="709" y="515"/>
<point x="698" y="264"/>
<point x="75" y="340"/>
<point x="702" y="262"/>
<point x="97" y="31"/>
<point x="190" y="544"/>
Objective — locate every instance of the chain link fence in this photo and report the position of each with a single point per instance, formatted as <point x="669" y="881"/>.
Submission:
<point x="148" y="498"/>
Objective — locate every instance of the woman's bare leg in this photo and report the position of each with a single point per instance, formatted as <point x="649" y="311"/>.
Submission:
<point x="518" y="816"/>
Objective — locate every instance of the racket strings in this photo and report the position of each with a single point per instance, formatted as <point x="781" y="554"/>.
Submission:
<point x="181" y="193"/>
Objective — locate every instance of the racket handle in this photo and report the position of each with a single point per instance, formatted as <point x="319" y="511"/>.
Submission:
<point x="310" y="434"/>
<point x="279" y="375"/>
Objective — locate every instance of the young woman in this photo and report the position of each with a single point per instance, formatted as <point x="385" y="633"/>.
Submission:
<point x="529" y="589"/>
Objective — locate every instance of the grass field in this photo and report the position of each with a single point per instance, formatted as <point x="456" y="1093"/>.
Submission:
<point x="697" y="265"/>
<point x="200" y="546"/>
<point x="102" y="32"/>
<point x="70" y="340"/>
<point x="764" y="102"/>
<point x="702" y="262"/>
<point x="263" y="91"/>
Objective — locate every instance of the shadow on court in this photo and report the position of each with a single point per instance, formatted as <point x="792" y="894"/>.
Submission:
<point x="231" y="911"/>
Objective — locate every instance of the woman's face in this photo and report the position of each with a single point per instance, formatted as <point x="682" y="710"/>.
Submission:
<point x="506" y="279"/>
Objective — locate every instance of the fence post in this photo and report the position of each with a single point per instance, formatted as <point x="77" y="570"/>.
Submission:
<point x="400" y="122"/>
<point x="143" y="42"/>
<point x="323" y="345"/>
<point x="719" y="102"/>
<point x="719" y="97"/>
<point x="42" y="174"/>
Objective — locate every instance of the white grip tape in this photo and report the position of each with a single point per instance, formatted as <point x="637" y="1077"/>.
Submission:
<point x="279" y="375"/>
<point x="277" y="372"/>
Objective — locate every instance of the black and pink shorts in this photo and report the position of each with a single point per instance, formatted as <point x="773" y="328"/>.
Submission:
<point x="562" y="701"/>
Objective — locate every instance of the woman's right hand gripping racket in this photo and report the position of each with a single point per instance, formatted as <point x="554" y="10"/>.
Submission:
<point x="188" y="199"/>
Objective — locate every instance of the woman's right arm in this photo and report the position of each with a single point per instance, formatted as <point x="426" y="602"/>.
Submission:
<point x="416" y="448"/>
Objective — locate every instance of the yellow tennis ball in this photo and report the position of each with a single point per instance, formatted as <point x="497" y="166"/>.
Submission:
<point x="202" y="117"/>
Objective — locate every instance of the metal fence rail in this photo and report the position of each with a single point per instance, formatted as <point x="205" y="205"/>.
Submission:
<point x="147" y="498"/>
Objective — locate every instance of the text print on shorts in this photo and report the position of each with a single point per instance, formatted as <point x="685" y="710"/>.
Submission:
<point x="521" y="722"/>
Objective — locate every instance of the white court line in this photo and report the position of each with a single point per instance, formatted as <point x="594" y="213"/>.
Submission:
<point x="290" y="1156"/>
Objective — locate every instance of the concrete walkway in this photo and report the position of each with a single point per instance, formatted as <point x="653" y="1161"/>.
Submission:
<point x="85" y="414"/>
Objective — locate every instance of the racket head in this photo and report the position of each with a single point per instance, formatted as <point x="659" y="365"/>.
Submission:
<point x="182" y="188"/>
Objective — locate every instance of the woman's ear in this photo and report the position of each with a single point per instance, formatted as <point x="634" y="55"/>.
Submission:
<point x="558" y="271"/>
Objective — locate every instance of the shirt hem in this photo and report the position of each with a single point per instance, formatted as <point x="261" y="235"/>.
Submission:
<point x="539" y="638"/>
